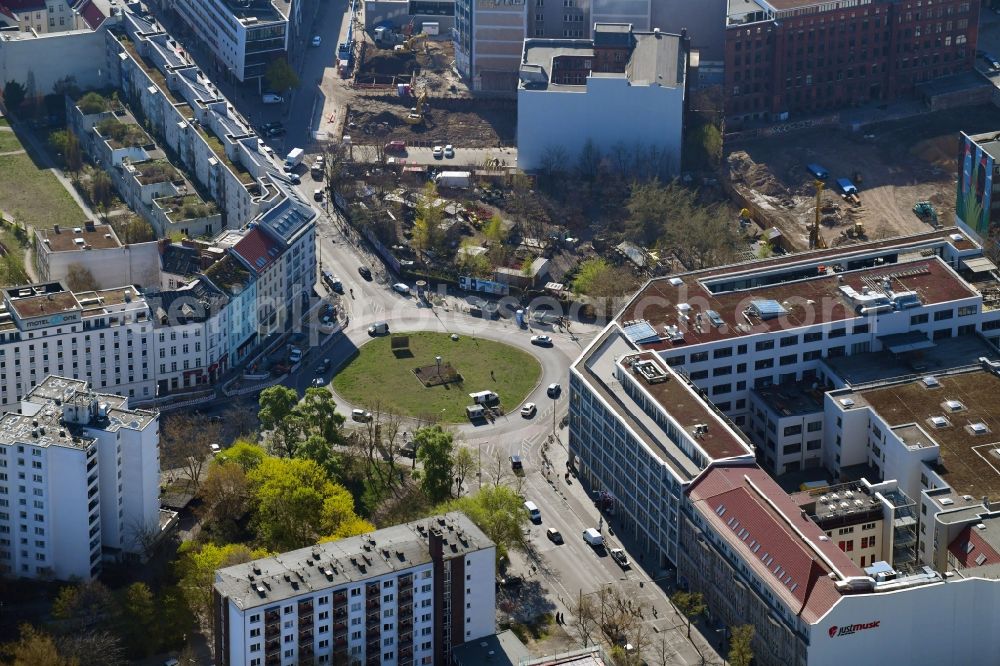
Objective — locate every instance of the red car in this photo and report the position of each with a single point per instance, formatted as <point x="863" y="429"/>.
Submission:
<point x="398" y="147"/>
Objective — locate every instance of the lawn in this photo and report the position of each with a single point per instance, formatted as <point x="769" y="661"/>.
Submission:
<point x="9" y="142"/>
<point x="377" y="376"/>
<point x="34" y="196"/>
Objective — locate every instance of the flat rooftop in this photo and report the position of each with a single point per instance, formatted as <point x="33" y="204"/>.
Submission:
<point x="792" y="399"/>
<point x="970" y="463"/>
<point x="341" y="563"/>
<point x="844" y="501"/>
<point x="260" y="10"/>
<point x="44" y="304"/>
<point x="806" y="285"/>
<point x="656" y="59"/>
<point x="946" y="354"/>
<point x="79" y="239"/>
<point x="598" y="368"/>
<point x="989" y="142"/>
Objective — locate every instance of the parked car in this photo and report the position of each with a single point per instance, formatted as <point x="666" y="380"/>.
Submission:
<point x="533" y="513"/>
<point x="294" y="178"/>
<point x="593" y="537"/>
<point x="554" y="390"/>
<point x="619" y="556"/>
<point x="541" y="340"/>
<point x="361" y="415"/>
<point x="378" y="328"/>
<point x="401" y="288"/>
<point x="323" y="367"/>
<point x="215" y="448"/>
<point x="318" y="194"/>
<point x="271" y="98"/>
<point x="318" y="382"/>
<point x="295" y="355"/>
<point x="365" y="272"/>
<point x="449" y="151"/>
<point x="817" y="171"/>
<point x="438" y="152"/>
<point x="316" y="40"/>
<point x="554" y="535"/>
<point x="276" y="131"/>
<point x="516" y="464"/>
<point x="528" y="410"/>
<point x="396" y="147"/>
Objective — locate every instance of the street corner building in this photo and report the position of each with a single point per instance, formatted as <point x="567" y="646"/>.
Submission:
<point x="863" y="378"/>
<point x="399" y="596"/>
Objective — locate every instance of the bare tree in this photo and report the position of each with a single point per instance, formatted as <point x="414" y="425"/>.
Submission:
<point x="225" y="492"/>
<point x="462" y="465"/>
<point x="666" y="655"/>
<point x="585" y="614"/>
<point x="241" y="421"/>
<point x="498" y="469"/>
<point x="391" y="440"/>
<point x="184" y="444"/>
<point x="79" y="278"/>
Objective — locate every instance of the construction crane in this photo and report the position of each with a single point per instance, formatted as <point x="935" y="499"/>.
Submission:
<point x="416" y="114"/>
<point x="815" y="239"/>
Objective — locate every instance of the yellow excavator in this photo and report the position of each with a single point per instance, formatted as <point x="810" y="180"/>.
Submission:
<point x="416" y="114"/>
<point x="409" y="44"/>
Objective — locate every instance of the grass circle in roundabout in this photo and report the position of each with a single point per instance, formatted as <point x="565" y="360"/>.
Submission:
<point x="402" y="375"/>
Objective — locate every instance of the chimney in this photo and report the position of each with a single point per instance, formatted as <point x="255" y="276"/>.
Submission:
<point x="435" y="544"/>
<point x="55" y="228"/>
<point x="986" y="502"/>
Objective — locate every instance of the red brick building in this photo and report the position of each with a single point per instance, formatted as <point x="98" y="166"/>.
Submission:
<point x="789" y="57"/>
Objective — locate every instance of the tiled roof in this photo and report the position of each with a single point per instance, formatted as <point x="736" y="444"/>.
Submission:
<point x="257" y="250"/>
<point x="25" y="5"/>
<point x="764" y="527"/>
<point x="971" y="550"/>
<point x="91" y="13"/>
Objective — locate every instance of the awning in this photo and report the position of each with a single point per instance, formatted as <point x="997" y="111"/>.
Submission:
<point x="899" y="343"/>
<point x="979" y="265"/>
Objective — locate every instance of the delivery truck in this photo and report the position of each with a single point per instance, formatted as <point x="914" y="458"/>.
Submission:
<point x="294" y="159"/>
<point x="461" y="179"/>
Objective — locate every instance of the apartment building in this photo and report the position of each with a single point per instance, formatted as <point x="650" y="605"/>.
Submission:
<point x="41" y="16"/>
<point x="789" y="57"/>
<point x="402" y="595"/>
<point x="96" y="249"/>
<point x="79" y="483"/>
<point x="488" y="37"/>
<point x="574" y="92"/>
<point x="976" y="210"/>
<point x="244" y="36"/>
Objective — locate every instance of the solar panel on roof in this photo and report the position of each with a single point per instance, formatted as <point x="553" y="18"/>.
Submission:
<point x="767" y="308"/>
<point x="641" y="332"/>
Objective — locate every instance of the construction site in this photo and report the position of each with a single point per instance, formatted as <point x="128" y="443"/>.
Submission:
<point x="405" y="89"/>
<point x="881" y="181"/>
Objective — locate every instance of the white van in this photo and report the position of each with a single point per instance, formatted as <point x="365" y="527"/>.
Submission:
<point x="271" y="98"/>
<point x="593" y="537"/>
<point x="533" y="512"/>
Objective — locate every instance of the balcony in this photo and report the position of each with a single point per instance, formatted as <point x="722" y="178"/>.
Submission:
<point x="272" y="646"/>
<point x="272" y="616"/>
<point x="406" y="597"/>
<point x="340" y="614"/>
<point x="272" y="630"/>
<point x="405" y="626"/>
<point x="306" y="637"/>
<point x="372" y="603"/>
<point x="340" y="598"/>
<point x="306" y="620"/>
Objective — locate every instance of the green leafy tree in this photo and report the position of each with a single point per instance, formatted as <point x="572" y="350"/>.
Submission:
<point x="740" y="645"/>
<point x="138" y="620"/>
<point x="196" y="567"/>
<point x="133" y="229"/>
<point x="244" y="453"/>
<point x="225" y="492"/>
<point x="92" y="102"/>
<point x="427" y="223"/>
<point x="34" y="648"/>
<point x="295" y="503"/>
<point x="498" y="511"/>
<point x="462" y="465"/>
<point x="590" y="274"/>
<point x="14" y="95"/>
<point x="690" y="604"/>
<point x="319" y="450"/>
<point x="176" y="618"/>
<point x="102" y="191"/>
<point x="58" y="140"/>
<point x="277" y="414"/>
<point x="434" y="450"/>
<point x="319" y="414"/>
<point x="280" y="75"/>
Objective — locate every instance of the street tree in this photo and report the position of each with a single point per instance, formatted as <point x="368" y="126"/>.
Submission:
<point x="276" y="404"/>
<point x="740" y="645"/>
<point x="498" y="469"/>
<point x="463" y="465"/>
<point x="97" y="647"/>
<point x="280" y="76"/>
<point x="185" y="441"/>
<point x="499" y="512"/>
<point x="585" y="618"/>
<point x="319" y="450"/>
<point x="434" y="450"/>
<point x="102" y="191"/>
<point x="244" y="453"/>
<point x="319" y="414"/>
<point x="690" y="604"/>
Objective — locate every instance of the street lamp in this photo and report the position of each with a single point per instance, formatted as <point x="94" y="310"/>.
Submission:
<point x="438" y="359"/>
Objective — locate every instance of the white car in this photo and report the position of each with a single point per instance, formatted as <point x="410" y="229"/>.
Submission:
<point x="619" y="556"/>
<point x="295" y="356"/>
<point x="215" y="448"/>
<point x="541" y="340"/>
<point x="449" y="151"/>
<point x="438" y="152"/>
<point x="316" y="41"/>
<point x="401" y="288"/>
<point x="528" y="410"/>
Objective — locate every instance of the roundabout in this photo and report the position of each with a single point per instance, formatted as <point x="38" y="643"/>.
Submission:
<point x="429" y="375"/>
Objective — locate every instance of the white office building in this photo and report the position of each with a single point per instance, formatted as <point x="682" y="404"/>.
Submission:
<point x="399" y="596"/>
<point x="79" y="482"/>
<point x="575" y="92"/>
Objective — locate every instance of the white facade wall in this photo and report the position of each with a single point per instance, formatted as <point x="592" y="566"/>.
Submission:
<point x="138" y="263"/>
<point x="42" y="61"/>
<point x="140" y="481"/>
<point x="945" y="623"/>
<point x="480" y="591"/>
<point x="567" y="119"/>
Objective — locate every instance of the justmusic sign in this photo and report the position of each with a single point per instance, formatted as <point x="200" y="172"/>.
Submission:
<point x="836" y="631"/>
